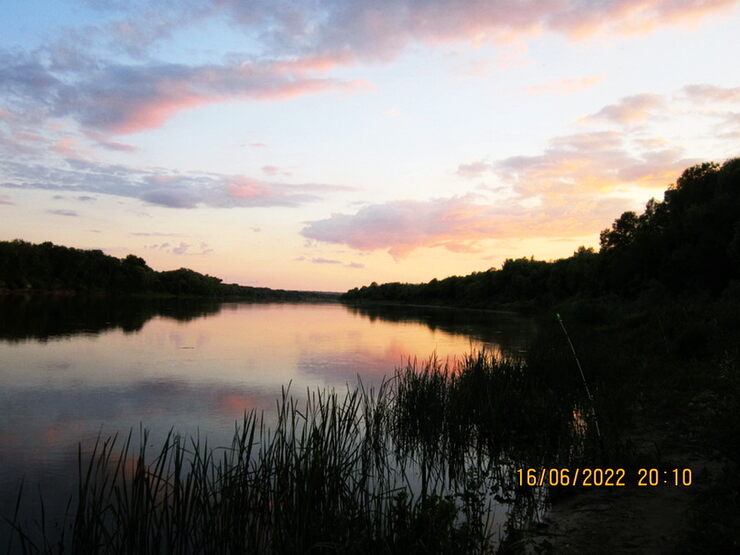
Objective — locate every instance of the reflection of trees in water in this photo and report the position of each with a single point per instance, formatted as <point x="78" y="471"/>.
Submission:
<point x="510" y="332"/>
<point x="46" y="317"/>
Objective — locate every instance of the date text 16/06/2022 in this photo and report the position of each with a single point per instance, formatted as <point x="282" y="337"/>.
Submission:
<point x="604" y="477"/>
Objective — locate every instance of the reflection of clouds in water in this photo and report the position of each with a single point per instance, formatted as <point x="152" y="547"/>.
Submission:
<point x="370" y="363"/>
<point x="43" y="449"/>
<point x="62" y="418"/>
<point x="236" y="403"/>
<point x="508" y="333"/>
<point x="58" y="394"/>
<point x="399" y="335"/>
<point x="371" y="367"/>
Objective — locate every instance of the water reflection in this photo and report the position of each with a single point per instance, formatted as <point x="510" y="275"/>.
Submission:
<point x="508" y="331"/>
<point x="47" y="317"/>
<point x="73" y="367"/>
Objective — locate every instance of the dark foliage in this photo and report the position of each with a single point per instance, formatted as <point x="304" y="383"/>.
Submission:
<point x="687" y="243"/>
<point x="47" y="267"/>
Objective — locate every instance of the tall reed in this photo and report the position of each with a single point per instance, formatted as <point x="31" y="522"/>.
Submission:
<point x="418" y="465"/>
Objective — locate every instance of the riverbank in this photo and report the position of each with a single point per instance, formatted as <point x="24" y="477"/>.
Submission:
<point x="646" y="519"/>
<point x="665" y="378"/>
<point x="672" y="367"/>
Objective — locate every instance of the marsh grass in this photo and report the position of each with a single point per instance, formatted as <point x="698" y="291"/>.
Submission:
<point x="497" y="408"/>
<point x="422" y="463"/>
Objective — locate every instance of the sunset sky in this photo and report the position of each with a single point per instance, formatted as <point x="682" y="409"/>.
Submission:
<point x="325" y="144"/>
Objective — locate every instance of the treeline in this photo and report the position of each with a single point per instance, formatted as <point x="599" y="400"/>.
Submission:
<point x="687" y="243"/>
<point x="47" y="267"/>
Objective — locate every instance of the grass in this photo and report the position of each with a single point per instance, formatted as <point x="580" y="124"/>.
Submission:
<point x="422" y="463"/>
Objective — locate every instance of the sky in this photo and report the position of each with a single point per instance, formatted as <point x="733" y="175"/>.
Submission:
<point x="325" y="144"/>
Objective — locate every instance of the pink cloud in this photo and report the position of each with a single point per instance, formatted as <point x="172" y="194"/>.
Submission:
<point x="629" y="17"/>
<point x="300" y="40"/>
<point x="132" y="114"/>
<point x="473" y="169"/>
<point x="103" y="141"/>
<point x="182" y="248"/>
<point x="66" y="146"/>
<point x="369" y="30"/>
<point x="458" y="224"/>
<point x="562" y="192"/>
<point x="590" y="162"/>
<point x="321" y="63"/>
<point x="123" y="99"/>
<point x="248" y="188"/>
<point x="631" y="109"/>
<point x="161" y="187"/>
<point x="703" y="94"/>
<point x="729" y="126"/>
<point x="28" y="137"/>
<point x="317" y="36"/>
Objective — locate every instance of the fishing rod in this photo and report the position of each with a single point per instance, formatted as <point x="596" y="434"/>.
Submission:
<point x="583" y="379"/>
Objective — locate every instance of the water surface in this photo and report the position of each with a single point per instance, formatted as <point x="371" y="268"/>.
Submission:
<point x="73" y="368"/>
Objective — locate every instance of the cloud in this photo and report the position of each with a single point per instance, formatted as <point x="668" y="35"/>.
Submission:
<point x="122" y="99"/>
<point x="574" y="187"/>
<point x="145" y="23"/>
<point x="270" y="170"/>
<point x="565" y="86"/>
<point x="70" y="213"/>
<point x="458" y="224"/>
<point x="629" y="110"/>
<point x="319" y="260"/>
<point x="473" y="169"/>
<point x="154" y="234"/>
<point x="5" y="199"/>
<point x="66" y="146"/>
<point x="594" y="162"/>
<point x="605" y="160"/>
<point x="729" y="126"/>
<point x="161" y="187"/>
<point x="82" y="75"/>
<point x="704" y="94"/>
<point x="368" y="29"/>
<point x="119" y="147"/>
<point x="182" y="248"/>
